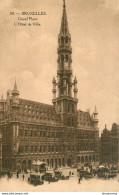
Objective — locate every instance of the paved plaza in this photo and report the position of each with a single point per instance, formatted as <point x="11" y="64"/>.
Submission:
<point x="87" y="185"/>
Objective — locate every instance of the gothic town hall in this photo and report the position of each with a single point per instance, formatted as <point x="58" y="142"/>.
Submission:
<point x="58" y="134"/>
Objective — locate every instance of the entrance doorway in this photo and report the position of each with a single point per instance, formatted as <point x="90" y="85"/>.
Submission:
<point x="29" y="164"/>
<point x="24" y="165"/>
<point x="69" y="162"/>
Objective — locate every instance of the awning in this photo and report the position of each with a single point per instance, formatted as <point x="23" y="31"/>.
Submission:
<point x="39" y="163"/>
<point x="101" y="166"/>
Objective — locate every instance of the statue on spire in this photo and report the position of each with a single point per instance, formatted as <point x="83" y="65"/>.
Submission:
<point x="64" y="4"/>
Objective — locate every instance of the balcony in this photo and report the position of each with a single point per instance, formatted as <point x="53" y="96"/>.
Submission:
<point x="64" y="48"/>
<point x="64" y="72"/>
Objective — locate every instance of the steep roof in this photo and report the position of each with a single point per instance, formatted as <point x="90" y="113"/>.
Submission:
<point x="85" y="120"/>
<point x="35" y="112"/>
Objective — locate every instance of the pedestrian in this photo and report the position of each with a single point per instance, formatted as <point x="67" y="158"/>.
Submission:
<point x="23" y="177"/>
<point x="81" y="177"/>
<point x="79" y="180"/>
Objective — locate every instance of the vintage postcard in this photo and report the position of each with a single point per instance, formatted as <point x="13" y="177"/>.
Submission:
<point x="59" y="96"/>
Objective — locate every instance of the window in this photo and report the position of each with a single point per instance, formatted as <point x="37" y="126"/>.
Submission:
<point x="72" y="108"/>
<point x="52" y="149"/>
<point x="21" y="149"/>
<point x="62" y="58"/>
<point x="40" y="134"/>
<point x="44" y="134"/>
<point x="26" y="149"/>
<point x="48" y="134"/>
<point x="40" y="150"/>
<point x="48" y="148"/>
<point x="56" y="148"/>
<point x="25" y="133"/>
<point x="31" y="149"/>
<point x="35" y="149"/>
<point x="57" y="135"/>
<point x="21" y="133"/>
<point x="31" y="133"/>
<point x="66" y="40"/>
<point x="72" y="121"/>
<point x="52" y="135"/>
<point x="62" y="40"/>
<point x="67" y="57"/>
<point x="35" y="133"/>
<point x="44" y="148"/>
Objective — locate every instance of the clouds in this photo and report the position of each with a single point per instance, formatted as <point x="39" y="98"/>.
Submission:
<point x="112" y="5"/>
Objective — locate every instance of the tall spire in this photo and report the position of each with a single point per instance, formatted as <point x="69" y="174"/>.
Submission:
<point x="15" y="90"/>
<point x="15" y="85"/>
<point x="64" y="23"/>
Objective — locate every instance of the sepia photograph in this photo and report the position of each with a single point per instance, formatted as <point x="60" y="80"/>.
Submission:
<point x="59" y="96"/>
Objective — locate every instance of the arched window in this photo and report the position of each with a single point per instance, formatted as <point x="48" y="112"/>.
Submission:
<point x="69" y="121"/>
<point x="72" y="121"/>
<point x="67" y="58"/>
<point x="68" y="107"/>
<point x="72" y="108"/>
<point x="62" y="61"/>
<point x="66" y="40"/>
<point x="62" y="40"/>
<point x="62" y="58"/>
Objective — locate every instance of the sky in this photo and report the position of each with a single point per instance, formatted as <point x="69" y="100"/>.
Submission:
<point x="29" y="53"/>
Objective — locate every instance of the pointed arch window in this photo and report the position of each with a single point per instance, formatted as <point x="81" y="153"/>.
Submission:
<point x="67" y="58"/>
<point x="62" y="40"/>
<point x="62" y="58"/>
<point x="72" y="121"/>
<point x="72" y="108"/>
<point x="69" y="121"/>
<point x="62" y="61"/>
<point x="68" y="107"/>
<point x="66" y="40"/>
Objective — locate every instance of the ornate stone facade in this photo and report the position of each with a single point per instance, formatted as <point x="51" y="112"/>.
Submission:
<point x="110" y="145"/>
<point x="58" y="134"/>
<point x="106" y="146"/>
<point x="0" y="151"/>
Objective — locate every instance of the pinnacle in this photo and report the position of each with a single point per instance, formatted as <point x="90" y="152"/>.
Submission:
<point x="95" y="111"/>
<point x="15" y="85"/>
<point x="2" y="97"/>
<point x="75" y="79"/>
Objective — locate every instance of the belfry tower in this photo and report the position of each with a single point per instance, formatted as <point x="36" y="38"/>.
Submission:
<point x="63" y="88"/>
